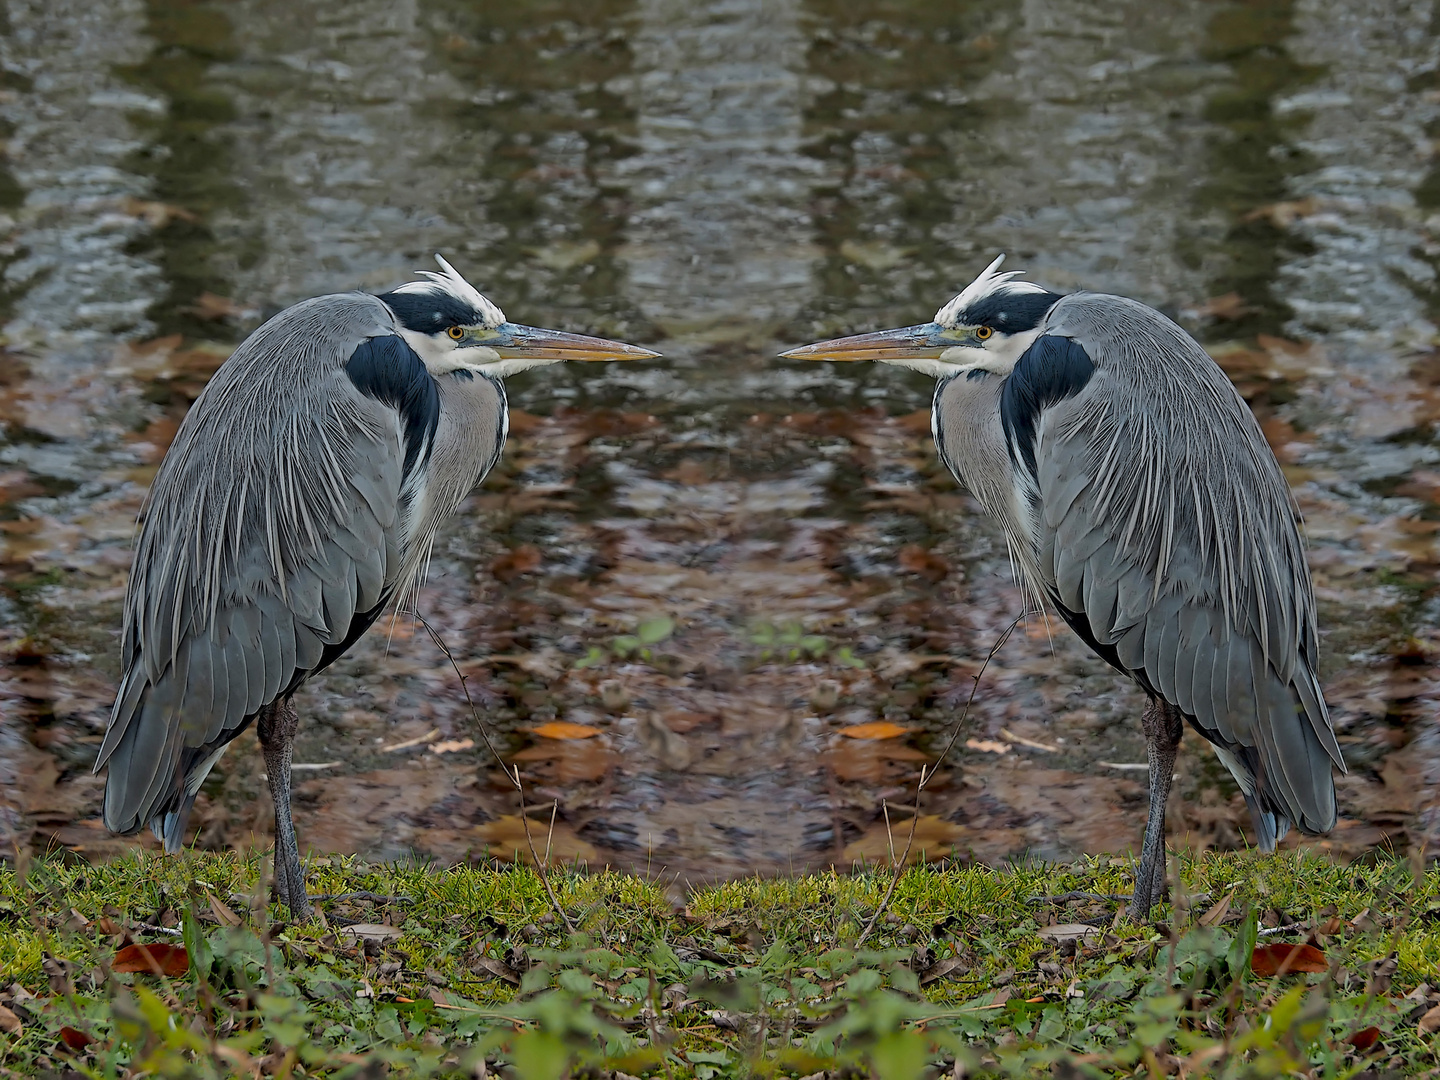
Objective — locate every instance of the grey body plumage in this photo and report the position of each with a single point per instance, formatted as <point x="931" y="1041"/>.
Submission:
<point x="1140" y="500"/>
<point x="298" y="501"/>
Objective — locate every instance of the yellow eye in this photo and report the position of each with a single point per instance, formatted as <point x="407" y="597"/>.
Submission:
<point x="984" y="333"/>
<point x="456" y="333"/>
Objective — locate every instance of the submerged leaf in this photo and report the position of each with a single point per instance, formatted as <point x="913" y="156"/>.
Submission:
<point x="876" y="729"/>
<point x="564" y="729"/>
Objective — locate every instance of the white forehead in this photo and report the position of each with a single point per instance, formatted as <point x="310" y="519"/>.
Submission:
<point x="989" y="283"/>
<point x="450" y="283"/>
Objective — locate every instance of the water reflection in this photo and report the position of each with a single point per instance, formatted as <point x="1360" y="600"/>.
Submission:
<point x="719" y="608"/>
<point x="188" y="163"/>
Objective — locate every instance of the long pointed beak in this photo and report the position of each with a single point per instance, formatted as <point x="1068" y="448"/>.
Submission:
<point x="516" y="342"/>
<point x="923" y="342"/>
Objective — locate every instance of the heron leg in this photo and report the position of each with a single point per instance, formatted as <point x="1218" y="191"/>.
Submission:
<point x="276" y="726"/>
<point x="1163" y="724"/>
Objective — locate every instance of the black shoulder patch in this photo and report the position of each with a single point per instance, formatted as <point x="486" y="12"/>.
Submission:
<point x="388" y="370"/>
<point x="429" y="312"/>
<point x="1051" y="370"/>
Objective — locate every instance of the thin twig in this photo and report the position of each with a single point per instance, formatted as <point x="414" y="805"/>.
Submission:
<point x="897" y="868"/>
<point x="514" y="778"/>
<point x="539" y="864"/>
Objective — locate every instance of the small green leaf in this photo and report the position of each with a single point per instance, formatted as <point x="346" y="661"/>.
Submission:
<point x="626" y="644"/>
<point x="652" y="631"/>
<point x="814" y="644"/>
<point x="847" y="658"/>
<point x="595" y="656"/>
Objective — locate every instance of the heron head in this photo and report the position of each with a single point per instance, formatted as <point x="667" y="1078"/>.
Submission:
<point x="988" y="326"/>
<point x="450" y="325"/>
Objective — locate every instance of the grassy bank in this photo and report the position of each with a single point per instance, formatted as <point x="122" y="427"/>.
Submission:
<point x="471" y="971"/>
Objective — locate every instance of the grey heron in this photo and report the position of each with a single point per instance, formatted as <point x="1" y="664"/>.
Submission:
<point x="299" y="500"/>
<point x="1140" y="500"/>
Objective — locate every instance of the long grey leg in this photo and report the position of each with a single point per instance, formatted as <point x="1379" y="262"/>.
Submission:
<point x="276" y="725"/>
<point x="1164" y="724"/>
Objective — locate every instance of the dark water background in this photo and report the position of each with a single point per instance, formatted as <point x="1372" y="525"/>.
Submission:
<point x="719" y="180"/>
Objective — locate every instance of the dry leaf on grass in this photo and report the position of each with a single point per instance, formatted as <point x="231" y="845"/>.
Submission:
<point x="9" y="1022"/>
<point x="1365" y="1038"/>
<point x="223" y="915"/>
<point x="1217" y="912"/>
<point x="488" y="965"/>
<point x="170" y="960"/>
<point x="75" y="1039"/>
<point x="1268" y="960"/>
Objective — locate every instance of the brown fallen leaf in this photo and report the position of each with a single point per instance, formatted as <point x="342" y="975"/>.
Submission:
<point x="506" y="837"/>
<point x="75" y="1039"/>
<point x="564" y="729"/>
<point x="875" y="729"/>
<point x="451" y="746"/>
<point x="1269" y="960"/>
<point x="1365" y="1038"/>
<point x="1217" y="912"/>
<point x="952" y="967"/>
<point x="871" y="761"/>
<point x="488" y="965"/>
<point x="222" y="912"/>
<point x="523" y="560"/>
<point x="569" y="761"/>
<point x="9" y="1022"/>
<point x="1430" y="1022"/>
<point x="989" y="746"/>
<point x="160" y="959"/>
<point x="934" y="837"/>
<point x="927" y="564"/>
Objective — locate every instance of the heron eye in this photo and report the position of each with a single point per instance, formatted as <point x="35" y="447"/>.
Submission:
<point x="984" y="333"/>
<point x="456" y="333"/>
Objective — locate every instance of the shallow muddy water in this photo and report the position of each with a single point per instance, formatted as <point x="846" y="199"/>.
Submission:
<point x="720" y="608"/>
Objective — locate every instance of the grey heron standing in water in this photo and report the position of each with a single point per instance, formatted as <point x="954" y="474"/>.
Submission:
<point x="299" y="500"/>
<point x="1141" y="501"/>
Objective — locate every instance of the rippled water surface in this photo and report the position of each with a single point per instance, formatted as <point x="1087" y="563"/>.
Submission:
<point x="689" y="583"/>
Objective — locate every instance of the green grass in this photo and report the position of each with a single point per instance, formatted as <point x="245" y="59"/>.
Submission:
<point x="750" y="978"/>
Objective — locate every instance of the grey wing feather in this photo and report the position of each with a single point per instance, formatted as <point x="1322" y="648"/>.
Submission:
<point x="1170" y="540"/>
<point x="274" y="514"/>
